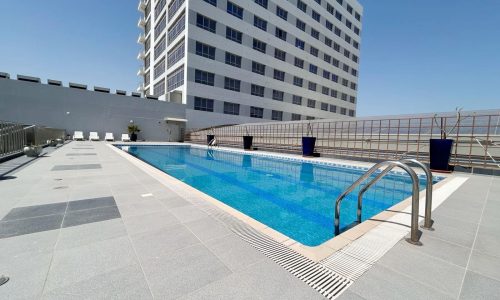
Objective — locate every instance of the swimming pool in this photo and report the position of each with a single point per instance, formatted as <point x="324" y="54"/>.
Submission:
<point x="294" y="197"/>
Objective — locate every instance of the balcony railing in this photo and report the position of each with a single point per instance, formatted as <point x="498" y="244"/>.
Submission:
<point x="142" y="6"/>
<point x="141" y="55"/>
<point x="141" y="39"/>
<point x="141" y="23"/>
<point x="476" y="138"/>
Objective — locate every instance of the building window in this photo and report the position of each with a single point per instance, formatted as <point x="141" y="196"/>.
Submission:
<point x="277" y="115"/>
<point x="312" y="86"/>
<point x="351" y="113"/>
<point x="343" y="110"/>
<point x="313" y="51"/>
<point x="344" y="97"/>
<point x="299" y="63"/>
<point x="326" y="74"/>
<point x="205" y="23"/>
<point x="232" y="84"/>
<point x="329" y="8"/>
<point x="231" y="108"/>
<point x="353" y="86"/>
<point x="345" y="68"/>
<point x="298" y="81"/>
<point x="296" y="117"/>
<point x="354" y="58"/>
<point x="357" y="16"/>
<point x="315" y="34"/>
<point x="337" y="31"/>
<point x="297" y="100"/>
<point x="160" y="26"/>
<point x="159" y="88"/>
<point x="299" y="44"/>
<point x="205" y="50"/>
<point x="349" y="8"/>
<point x="233" y="60"/>
<point x="338" y="15"/>
<point x="352" y="99"/>
<point x="174" y="7"/>
<point x="328" y="42"/>
<point x="260" y="23"/>
<point x="204" y="77"/>
<point x="278" y="95"/>
<point x="257" y="90"/>
<point x="316" y="16"/>
<point x="333" y="108"/>
<point x="280" y="33"/>
<point x="233" y="35"/>
<point x="259" y="45"/>
<point x="311" y="103"/>
<point x="279" y="75"/>
<point x="176" y="29"/>
<point x="300" y="25"/>
<point x="334" y="93"/>
<point x="281" y="55"/>
<point x="345" y="82"/>
<point x="159" y="8"/>
<point x="336" y="47"/>
<point x="325" y="90"/>
<point x="324" y="106"/>
<point x="356" y="30"/>
<point x="234" y="10"/>
<point x="146" y="78"/>
<point x="159" y="68"/>
<point x="302" y="6"/>
<point x="329" y="25"/>
<point x="355" y="44"/>
<point x="203" y="104"/>
<point x="176" y="54"/>
<point x="313" y="69"/>
<point x="160" y="47"/>
<point x="347" y="39"/>
<point x="335" y="62"/>
<point x="262" y="3"/>
<point x="213" y="2"/>
<point x="280" y="12"/>
<point x="347" y="53"/>
<point x="175" y="79"/>
<point x="258" y="68"/>
<point x="335" y="78"/>
<point x="256" y="112"/>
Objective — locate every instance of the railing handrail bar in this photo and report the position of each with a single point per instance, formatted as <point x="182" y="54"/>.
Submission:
<point x="415" y="233"/>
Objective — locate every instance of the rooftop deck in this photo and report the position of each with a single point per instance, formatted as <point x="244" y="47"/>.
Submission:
<point x="84" y="222"/>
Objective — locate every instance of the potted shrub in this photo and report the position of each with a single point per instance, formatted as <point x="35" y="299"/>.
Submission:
<point x="308" y="142"/>
<point x="132" y="130"/>
<point x="210" y="136"/>
<point x="247" y="140"/>
<point x="440" y="149"/>
<point x="32" y="150"/>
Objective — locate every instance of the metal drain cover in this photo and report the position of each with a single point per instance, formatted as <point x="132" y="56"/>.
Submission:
<point x="3" y="279"/>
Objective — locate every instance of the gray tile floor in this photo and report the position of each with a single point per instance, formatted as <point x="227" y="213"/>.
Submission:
<point x="459" y="260"/>
<point x="163" y="246"/>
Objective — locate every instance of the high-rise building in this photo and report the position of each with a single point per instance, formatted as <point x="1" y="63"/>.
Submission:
<point x="252" y="60"/>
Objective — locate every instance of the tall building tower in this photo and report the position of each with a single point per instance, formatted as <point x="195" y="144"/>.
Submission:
<point x="252" y="60"/>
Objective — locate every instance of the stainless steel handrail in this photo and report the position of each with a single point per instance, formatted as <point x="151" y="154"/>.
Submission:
<point x="415" y="233"/>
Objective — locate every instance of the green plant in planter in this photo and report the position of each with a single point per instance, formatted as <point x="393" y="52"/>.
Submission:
<point x="133" y="130"/>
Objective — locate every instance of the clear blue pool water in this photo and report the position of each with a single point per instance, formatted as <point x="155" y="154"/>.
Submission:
<point x="293" y="197"/>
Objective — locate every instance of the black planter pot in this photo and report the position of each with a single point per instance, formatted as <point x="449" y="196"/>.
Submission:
<point x="308" y="143"/>
<point x="210" y="137"/>
<point x="247" y="142"/>
<point x="440" y="153"/>
<point x="133" y="137"/>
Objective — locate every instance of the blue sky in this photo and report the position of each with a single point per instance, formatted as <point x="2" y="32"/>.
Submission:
<point x="416" y="56"/>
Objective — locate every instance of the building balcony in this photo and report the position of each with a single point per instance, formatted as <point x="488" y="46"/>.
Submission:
<point x="141" y="39"/>
<point x="142" y="6"/>
<point x="141" y="23"/>
<point x="141" y="55"/>
<point x="141" y="72"/>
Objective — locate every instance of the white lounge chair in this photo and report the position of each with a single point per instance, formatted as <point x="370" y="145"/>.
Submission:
<point x="78" y="136"/>
<point x="93" y="136"/>
<point x="125" y="137"/>
<point x="109" y="137"/>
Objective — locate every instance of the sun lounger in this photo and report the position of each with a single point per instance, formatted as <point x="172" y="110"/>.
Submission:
<point x="109" y="137"/>
<point x="125" y="137"/>
<point x="93" y="136"/>
<point x="78" y="136"/>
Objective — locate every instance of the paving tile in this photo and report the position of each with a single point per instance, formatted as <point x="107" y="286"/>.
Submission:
<point x="173" y="201"/>
<point x="444" y="250"/>
<point x="80" y="217"/>
<point x="27" y="272"/>
<point x="188" y="213"/>
<point x="348" y="295"/>
<point x="488" y="240"/>
<point x="234" y="252"/>
<point x="123" y="283"/>
<point x="91" y="203"/>
<point x="76" y="167"/>
<point x="426" y="269"/>
<point x="182" y="272"/>
<point x="385" y="284"/>
<point x="485" y="264"/>
<point x="36" y="242"/>
<point x="81" y="263"/>
<point x="141" y="206"/>
<point x="32" y="225"/>
<point x="460" y="236"/>
<point x="207" y="229"/>
<point x="81" y="154"/>
<point x="477" y="286"/>
<point x="35" y="211"/>
<point x="149" y="222"/>
<point x="77" y="236"/>
<point x="263" y="280"/>
<point x="162" y="242"/>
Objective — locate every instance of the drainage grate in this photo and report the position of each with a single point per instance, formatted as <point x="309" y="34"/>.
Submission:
<point x="323" y="280"/>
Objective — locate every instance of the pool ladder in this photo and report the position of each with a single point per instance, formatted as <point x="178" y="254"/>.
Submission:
<point x="403" y="164"/>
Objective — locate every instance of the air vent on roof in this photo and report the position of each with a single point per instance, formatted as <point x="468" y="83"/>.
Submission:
<point x="54" y="82"/>
<point x="77" y="86"/>
<point x="135" y="94"/>
<point x="28" y="78"/>
<point x="153" y="97"/>
<point x="120" y="92"/>
<point x="4" y="75"/>
<point x="101" y="89"/>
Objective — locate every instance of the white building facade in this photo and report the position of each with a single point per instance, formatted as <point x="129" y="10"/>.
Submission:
<point x="243" y="61"/>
